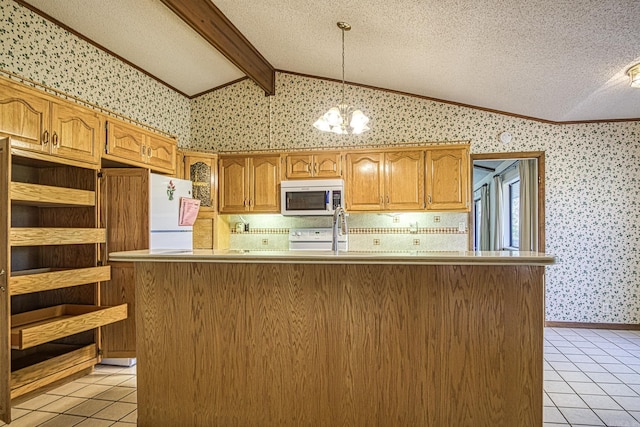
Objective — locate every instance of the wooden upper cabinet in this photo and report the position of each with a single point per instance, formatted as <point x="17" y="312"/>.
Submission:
<point x="365" y="181"/>
<point x="41" y="123"/>
<point x="392" y="180"/>
<point x="404" y="181"/>
<point x="314" y="165"/>
<point x="75" y="132"/>
<point x="161" y="153"/>
<point x="233" y="176"/>
<point x="124" y="141"/>
<point x="448" y="179"/>
<point x="249" y="184"/>
<point x="202" y="170"/>
<point x="136" y="146"/>
<point x="264" y="181"/>
<point x="24" y="116"/>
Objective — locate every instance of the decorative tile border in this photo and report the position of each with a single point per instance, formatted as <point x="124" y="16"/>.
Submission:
<point x="407" y="230"/>
<point x="388" y="230"/>
<point x="261" y="231"/>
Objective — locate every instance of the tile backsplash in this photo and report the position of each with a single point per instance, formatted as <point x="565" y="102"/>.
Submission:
<point x="367" y="231"/>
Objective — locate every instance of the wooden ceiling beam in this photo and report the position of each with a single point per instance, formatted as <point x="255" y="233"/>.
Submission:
<point x="208" y="21"/>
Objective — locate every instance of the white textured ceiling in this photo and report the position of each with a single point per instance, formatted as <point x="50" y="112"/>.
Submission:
<point x="559" y="60"/>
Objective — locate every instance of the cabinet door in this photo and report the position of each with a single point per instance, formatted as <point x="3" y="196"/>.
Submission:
<point x="200" y="171"/>
<point x="124" y="213"/>
<point x="448" y="179"/>
<point x="75" y="133"/>
<point x="327" y="165"/>
<point x="5" y="311"/>
<point x="299" y="166"/>
<point x="234" y="186"/>
<point x="365" y="182"/>
<point x="125" y="141"/>
<point x="404" y="180"/>
<point x="161" y="153"/>
<point x="265" y="179"/>
<point x="24" y="116"/>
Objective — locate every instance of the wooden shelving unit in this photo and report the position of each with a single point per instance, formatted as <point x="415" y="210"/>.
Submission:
<point x="50" y="309"/>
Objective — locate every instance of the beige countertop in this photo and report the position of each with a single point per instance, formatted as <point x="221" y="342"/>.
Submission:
<point x="328" y="257"/>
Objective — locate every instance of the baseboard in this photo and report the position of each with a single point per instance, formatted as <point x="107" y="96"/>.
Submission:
<point x="615" y="326"/>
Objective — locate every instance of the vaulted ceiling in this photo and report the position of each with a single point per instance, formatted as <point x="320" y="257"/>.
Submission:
<point x="556" y="60"/>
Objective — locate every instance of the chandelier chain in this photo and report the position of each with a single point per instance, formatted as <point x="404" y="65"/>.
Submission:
<point x="342" y="65"/>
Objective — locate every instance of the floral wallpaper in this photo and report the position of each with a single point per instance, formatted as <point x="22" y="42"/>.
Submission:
<point x="592" y="193"/>
<point x="34" y="48"/>
<point x="592" y="170"/>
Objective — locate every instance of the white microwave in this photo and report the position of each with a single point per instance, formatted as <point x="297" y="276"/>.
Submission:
<point x="311" y="197"/>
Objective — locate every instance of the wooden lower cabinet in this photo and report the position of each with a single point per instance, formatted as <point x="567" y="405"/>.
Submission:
<point x="50" y="305"/>
<point x="202" y="170"/>
<point x="119" y="339"/>
<point x="290" y="344"/>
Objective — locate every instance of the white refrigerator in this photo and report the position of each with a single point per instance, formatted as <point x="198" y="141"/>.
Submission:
<point x="164" y="214"/>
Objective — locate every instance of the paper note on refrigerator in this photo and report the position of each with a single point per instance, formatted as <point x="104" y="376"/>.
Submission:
<point x="188" y="210"/>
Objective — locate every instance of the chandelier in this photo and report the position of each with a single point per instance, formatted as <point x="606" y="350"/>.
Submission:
<point x="634" y="75"/>
<point x="343" y="119"/>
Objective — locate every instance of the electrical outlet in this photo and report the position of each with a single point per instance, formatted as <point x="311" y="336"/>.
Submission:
<point x="436" y="219"/>
<point x="416" y="242"/>
<point x="462" y="227"/>
<point x="265" y="241"/>
<point x="376" y="242"/>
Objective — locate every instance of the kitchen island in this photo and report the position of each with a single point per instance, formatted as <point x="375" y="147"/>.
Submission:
<point x="238" y="338"/>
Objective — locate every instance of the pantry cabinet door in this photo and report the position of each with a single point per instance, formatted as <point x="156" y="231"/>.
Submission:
<point x="5" y="311"/>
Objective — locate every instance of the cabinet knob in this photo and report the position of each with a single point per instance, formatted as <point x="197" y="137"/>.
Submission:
<point x="143" y="149"/>
<point x="149" y="152"/>
<point x="429" y="198"/>
<point x="1" y="288"/>
<point x="54" y="139"/>
<point x="1" y="272"/>
<point x="387" y="198"/>
<point x="45" y="137"/>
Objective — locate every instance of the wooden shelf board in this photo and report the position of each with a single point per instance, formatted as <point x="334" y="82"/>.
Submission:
<point x="46" y="195"/>
<point x="42" y="236"/>
<point x="51" y="363"/>
<point x="45" y="279"/>
<point x="37" y="327"/>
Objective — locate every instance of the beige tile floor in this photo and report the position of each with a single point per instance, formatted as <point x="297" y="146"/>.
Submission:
<point x="106" y="397"/>
<point x="591" y="378"/>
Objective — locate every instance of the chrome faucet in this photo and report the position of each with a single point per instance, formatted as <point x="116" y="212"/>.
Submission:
<point x="338" y="215"/>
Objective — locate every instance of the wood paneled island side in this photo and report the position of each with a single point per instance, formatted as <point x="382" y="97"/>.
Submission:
<point x="283" y="339"/>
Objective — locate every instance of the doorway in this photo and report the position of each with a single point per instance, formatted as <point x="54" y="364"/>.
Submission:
<point x="504" y="165"/>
